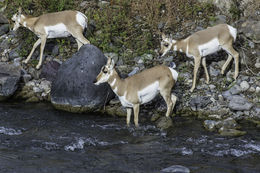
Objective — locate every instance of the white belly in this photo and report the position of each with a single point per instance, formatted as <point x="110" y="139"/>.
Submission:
<point x="148" y="93"/>
<point x="209" y="47"/>
<point x="56" y="31"/>
<point x="124" y="102"/>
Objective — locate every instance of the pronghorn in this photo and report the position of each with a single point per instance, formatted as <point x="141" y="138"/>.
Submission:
<point x="52" y="25"/>
<point x="203" y="43"/>
<point x="140" y="88"/>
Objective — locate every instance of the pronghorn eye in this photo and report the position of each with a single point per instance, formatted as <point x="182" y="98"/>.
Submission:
<point x="166" y="45"/>
<point x="104" y="70"/>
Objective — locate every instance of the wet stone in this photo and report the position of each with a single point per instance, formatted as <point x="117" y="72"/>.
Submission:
<point x="210" y="125"/>
<point x="176" y="169"/>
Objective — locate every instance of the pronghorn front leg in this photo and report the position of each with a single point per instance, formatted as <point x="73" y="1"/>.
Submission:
<point x="136" y="114"/>
<point x="205" y="69"/>
<point x="196" y="68"/>
<point x="129" y="112"/>
<point x="166" y="94"/>
<point x="43" y="42"/>
<point x="36" y="44"/>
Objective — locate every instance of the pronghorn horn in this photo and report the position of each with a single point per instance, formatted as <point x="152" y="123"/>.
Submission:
<point x="163" y="36"/>
<point x="20" y="10"/>
<point x="112" y="63"/>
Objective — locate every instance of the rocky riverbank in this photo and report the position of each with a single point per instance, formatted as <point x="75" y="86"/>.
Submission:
<point x="68" y="83"/>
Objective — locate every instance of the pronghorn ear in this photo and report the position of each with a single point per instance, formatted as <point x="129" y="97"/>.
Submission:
<point x="171" y="36"/>
<point x="108" y="60"/>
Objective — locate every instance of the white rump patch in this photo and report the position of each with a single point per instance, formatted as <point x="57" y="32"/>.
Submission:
<point x="174" y="74"/>
<point x="56" y="31"/>
<point x="233" y="32"/>
<point x="148" y="93"/>
<point x="81" y="19"/>
<point x="210" y="47"/>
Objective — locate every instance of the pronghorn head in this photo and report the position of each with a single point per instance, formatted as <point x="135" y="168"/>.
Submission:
<point x="105" y="72"/>
<point x="17" y="19"/>
<point x="166" y="44"/>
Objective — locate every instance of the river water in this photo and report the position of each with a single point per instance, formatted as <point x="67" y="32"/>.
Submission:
<point x="37" y="138"/>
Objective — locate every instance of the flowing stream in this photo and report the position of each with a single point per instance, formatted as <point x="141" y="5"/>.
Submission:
<point x="38" y="138"/>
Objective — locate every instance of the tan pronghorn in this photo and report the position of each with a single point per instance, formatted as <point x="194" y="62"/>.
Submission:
<point x="140" y="88"/>
<point x="203" y="43"/>
<point x="52" y="25"/>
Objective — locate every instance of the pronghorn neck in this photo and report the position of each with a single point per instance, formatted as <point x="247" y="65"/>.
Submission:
<point x="180" y="45"/>
<point x="28" y="22"/>
<point x="116" y="83"/>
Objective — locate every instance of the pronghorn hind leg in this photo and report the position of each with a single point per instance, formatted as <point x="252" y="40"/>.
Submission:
<point x="43" y="42"/>
<point x="174" y="99"/>
<point x="196" y="68"/>
<point x="79" y="43"/>
<point x="226" y="64"/>
<point x="129" y="112"/>
<point x="231" y="51"/>
<point x="205" y="69"/>
<point x="78" y="34"/>
<point x="36" y="44"/>
<point x="136" y="114"/>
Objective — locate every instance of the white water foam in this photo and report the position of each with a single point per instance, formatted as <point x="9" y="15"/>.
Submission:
<point x="81" y="142"/>
<point x="186" y="151"/>
<point x="9" y="131"/>
<point x="255" y="147"/>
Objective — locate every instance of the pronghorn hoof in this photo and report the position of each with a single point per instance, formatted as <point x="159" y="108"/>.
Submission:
<point x="25" y="62"/>
<point x="38" y="67"/>
<point x="191" y="90"/>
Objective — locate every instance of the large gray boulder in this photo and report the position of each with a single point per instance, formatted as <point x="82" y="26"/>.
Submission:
<point x="9" y="78"/>
<point x="73" y="89"/>
<point x="239" y="103"/>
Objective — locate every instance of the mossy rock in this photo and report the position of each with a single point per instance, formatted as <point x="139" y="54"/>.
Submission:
<point x="164" y="123"/>
<point x="74" y="109"/>
<point x="116" y="110"/>
<point x="231" y="132"/>
<point x="33" y="99"/>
